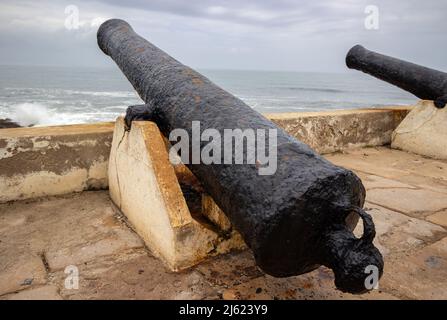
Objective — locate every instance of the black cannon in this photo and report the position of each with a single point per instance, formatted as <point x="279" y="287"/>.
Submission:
<point x="294" y="220"/>
<point x="423" y="82"/>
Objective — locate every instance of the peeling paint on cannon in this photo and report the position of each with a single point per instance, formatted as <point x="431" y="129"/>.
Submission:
<point x="294" y="220"/>
<point x="423" y="82"/>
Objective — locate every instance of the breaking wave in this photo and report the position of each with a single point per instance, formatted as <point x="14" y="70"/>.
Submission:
<point x="37" y="114"/>
<point x="27" y="114"/>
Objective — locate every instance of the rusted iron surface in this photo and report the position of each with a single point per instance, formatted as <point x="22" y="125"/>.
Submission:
<point x="423" y="82"/>
<point x="295" y="219"/>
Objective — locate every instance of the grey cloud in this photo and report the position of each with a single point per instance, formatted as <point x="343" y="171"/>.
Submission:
<point x="283" y="13"/>
<point x="266" y="34"/>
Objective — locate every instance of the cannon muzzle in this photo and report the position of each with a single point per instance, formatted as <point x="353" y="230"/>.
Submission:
<point x="294" y="219"/>
<point x="423" y="82"/>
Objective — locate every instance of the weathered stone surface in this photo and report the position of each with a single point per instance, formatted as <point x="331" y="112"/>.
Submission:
<point x="237" y="277"/>
<point x="426" y="183"/>
<point x="371" y="181"/>
<point x="396" y="165"/>
<point x="144" y="185"/>
<point x="46" y="161"/>
<point x="423" y="131"/>
<point x="135" y="275"/>
<point x="231" y="269"/>
<point x="116" y="241"/>
<point x="316" y="285"/>
<point x="421" y="275"/>
<point x="397" y="233"/>
<point x="330" y="131"/>
<point x="439" y="218"/>
<point x="31" y="231"/>
<point x="63" y="231"/>
<point x="19" y="270"/>
<point x="49" y="292"/>
<point x="368" y="160"/>
<point x="414" y="202"/>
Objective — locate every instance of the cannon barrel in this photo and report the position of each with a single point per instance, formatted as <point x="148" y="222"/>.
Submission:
<point x="293" y="220"/>
<point x="423" y="82"/>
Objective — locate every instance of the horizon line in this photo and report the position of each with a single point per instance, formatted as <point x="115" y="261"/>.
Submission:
<point x="195" y="68"/>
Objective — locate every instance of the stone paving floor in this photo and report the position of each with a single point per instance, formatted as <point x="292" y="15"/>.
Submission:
<point x="39" y="239"/>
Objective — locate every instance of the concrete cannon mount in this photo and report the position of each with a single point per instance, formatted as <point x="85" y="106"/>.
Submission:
<point x="51" y="222"/>
<point x="423" y="131"/>
<point x="147" y="189"/>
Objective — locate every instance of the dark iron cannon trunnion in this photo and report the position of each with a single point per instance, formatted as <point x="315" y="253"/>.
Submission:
<point x="423" y="82"/>
<point x="294" y="220"/>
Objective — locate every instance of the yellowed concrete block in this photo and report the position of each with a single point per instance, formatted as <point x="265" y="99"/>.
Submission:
<point x="423" y="131"/>
<point x="145" y="187"/>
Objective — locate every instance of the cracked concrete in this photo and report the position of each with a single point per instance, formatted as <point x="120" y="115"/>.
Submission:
<point x="40" y="238"/>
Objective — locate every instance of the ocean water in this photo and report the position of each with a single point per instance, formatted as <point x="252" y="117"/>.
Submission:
<point x="64" y="95"/>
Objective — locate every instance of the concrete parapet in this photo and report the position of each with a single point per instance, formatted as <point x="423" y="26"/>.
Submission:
<point x="331" y="131"/>
<point x="44" y="161"/>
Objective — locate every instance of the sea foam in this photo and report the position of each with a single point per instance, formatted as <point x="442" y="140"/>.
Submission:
<point x="27" y="114"/>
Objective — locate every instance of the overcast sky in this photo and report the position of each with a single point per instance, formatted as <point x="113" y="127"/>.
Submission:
<point x="305" y="35"/>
